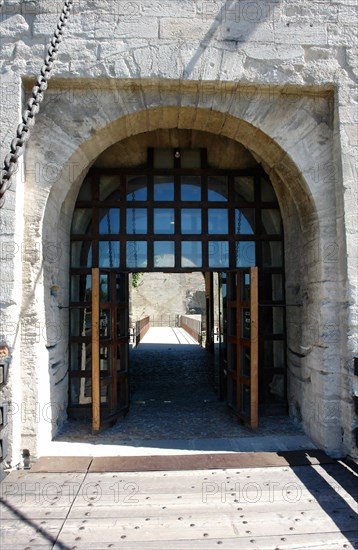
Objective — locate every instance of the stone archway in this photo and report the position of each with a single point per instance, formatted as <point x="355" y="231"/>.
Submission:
<point x="283" y="133"/>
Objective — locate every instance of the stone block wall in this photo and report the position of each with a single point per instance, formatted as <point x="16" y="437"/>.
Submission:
<point x="165" y="296"/>
<point x="276" y="76"/>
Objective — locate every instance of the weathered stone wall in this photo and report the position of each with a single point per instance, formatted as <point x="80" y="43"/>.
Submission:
<point x="275" y="76"/>
<point x="12" y="253"/>
<point x="165" y="296"/>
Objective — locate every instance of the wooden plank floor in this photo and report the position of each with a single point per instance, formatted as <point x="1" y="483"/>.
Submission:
<point x="277" y="508"/>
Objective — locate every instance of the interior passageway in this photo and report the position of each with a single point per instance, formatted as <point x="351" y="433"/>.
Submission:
<point x="172" y="393"/>
<point x="174" y="408"/>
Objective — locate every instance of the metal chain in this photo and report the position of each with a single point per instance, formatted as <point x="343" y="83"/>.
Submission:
<point x="109" y="233"/>
<point x="238" y="231"/>
<point x="33" y="105"/>
<point x="134" y="223"/>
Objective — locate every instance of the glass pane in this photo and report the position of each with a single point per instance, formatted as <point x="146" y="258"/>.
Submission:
<point x="82" y="221"/>
<point x="272" y="320"/>
<point x="272" y="254"/>
<point x="122" y="328"/>
<point x="191" y="221"/>
<point x="137" y="221"/>
<point x="81" y="357"/>
<point x="245" y="400"/>
<point x="105" y="360"/>
<point x="137" y="254"/>
<point x="190" y="188"/>
<point x="164" y="254"/>
<point x="81" y="321"/>
<point x="245" y="287"/>
<point x="163" y="188"/>
<point x="245" y="254"/>
<point x="109" y="188"/>
<point x="272" y="287"/>
<point x="191" y="254"/>
<point x="81" y="288"/>
<point x="274" y="354"/>
<point x="245" y="361"/>
<point x="104" y="391"/>
<point x="163" y="158"/>
<point x="232" y="356"/>
<point x="232" y="283"/>
<point x="103" y="287"/>
<point x="120" y="287"/>
<point x="218" y="254"/>
<point x="81" y="391"/>
<point x="108" y="221"/>
<point x="104" y="323"/>
<point x="218" y="221"/>
<point x="164" y="221"/>
<point x="271" y="221"/>
<point x="137" y="189"/>
<point x="244" y="189"/>
<point x="217" y="188"/>
<point x="81" y="254"/>
<point x="277" y="320"/>
<point x="108" y="254"/>
<point x="275" y="388"/>
<point x="267" y="191"/>
<point x="122" y="364"/>
<point x="245" y="221"/>
<point x="245" y="323"/>
<point x="190" y="158"/>
<point x="232" y="322"/>
<point x="85" y="193"/>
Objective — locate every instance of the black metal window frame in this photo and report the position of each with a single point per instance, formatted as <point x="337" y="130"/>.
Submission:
<point x="93" y="236"/>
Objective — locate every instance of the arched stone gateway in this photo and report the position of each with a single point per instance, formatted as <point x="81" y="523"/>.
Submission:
<point x="288" y="131"/>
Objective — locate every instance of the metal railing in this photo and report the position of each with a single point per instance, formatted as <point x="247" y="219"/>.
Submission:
<point x="141" y="328"/>
<point x="192" y="324"/>
<point x="166" y="320"/>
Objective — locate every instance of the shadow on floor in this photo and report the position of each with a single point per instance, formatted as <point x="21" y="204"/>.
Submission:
<point x="335" y="488"/>
<point x="174" y="406"/>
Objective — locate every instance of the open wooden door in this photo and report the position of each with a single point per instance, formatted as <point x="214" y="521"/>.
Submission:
<point x="110" y="342"/>
<point x="242" y="344"/>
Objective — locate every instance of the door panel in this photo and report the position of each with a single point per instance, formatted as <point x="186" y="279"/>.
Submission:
<point x="242" y="344"/>
<point x="110" y="340"/>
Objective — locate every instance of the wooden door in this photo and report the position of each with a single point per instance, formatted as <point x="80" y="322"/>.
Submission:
<point x="110" y="346"/>
<point x="242" y="344"/>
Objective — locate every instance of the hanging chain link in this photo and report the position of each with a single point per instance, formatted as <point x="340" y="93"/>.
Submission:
<point x="33" y="105"/>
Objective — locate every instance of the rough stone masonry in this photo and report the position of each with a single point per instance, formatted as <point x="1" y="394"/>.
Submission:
<point x="275" y="76"/>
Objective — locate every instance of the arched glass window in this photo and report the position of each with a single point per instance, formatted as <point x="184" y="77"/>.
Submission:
<point x="173" y="217"/>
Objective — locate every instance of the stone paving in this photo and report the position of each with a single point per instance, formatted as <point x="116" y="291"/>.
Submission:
<point x="174" y="406"/>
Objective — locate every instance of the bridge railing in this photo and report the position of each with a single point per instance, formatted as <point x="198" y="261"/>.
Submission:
<point x="192" y="324"/>
<point x="141" y="328"/>
<point x="166" y="320"/>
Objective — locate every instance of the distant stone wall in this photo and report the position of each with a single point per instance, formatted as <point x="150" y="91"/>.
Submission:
<point x="165" y="296"/>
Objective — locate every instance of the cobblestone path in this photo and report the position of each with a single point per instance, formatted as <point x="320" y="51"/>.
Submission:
<point x="172" y="398"/>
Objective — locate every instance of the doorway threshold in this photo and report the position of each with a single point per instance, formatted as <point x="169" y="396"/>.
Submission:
<point x="148" y="447"/>
<point x="154" y="463"/>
